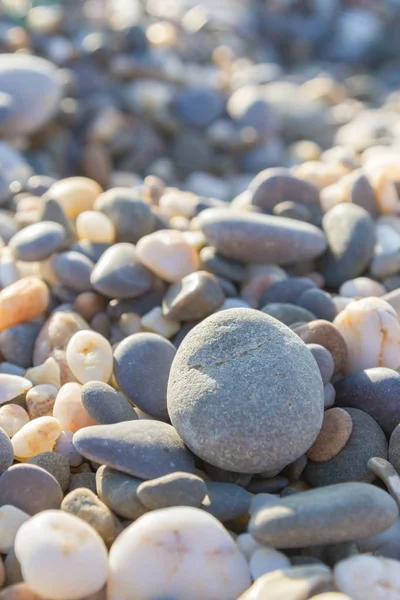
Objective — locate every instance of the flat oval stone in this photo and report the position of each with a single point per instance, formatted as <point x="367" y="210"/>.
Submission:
<point x="195" y="297"/>
<point x="288" y="313"/>
<point x="327" y="335"/>
<point x="350" y="234"/>
<point x="105" y="405"/>
<point x="119" y="274"/>
<point x="37" y="241"/>
<point x="324" y="360"/>
<point x="23" y="301"/>
<point x="334" y="435"/>
<point x="320" y="303"/>
<point x="144" y="449"/>
<point x="332" y="514"/>
<point x="276" y="185"/>
<point x="6" y="451"/>
<point x="376" y="392"/>
<point x="226" y="501"/>
<point x="366" y="576"/>
<point x="30" y="488"/>
<point x="55" y="464"/>
<point x="17" y="343"/>
<point x="255" y="238"/>
<point x="236" y="354"/>
<point x="176" y="489"/>
<point x="119" y="492"/>
<point x="220" y="266"/>
<point x="142" y="364"/>
<point x="73" y="270"/>
<point x="132" y="218"/>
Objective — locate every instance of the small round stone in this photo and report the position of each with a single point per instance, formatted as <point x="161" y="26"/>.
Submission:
<point x="226" y="501"/>
<point x="69" y="410"/>
<point x="89" y="356"/>
<point x="265" y="560"/>
<point x="12" y="418"/>
<point x="61" y="556"/>
<point x="195" y="297"/>
<point x="66" y="448"/>
<point x="176" y="489"/>
<point x="40" y="400"/>
<point x="362" y="287"/>
<point x="273" y="186"/>
<point x="37" y="241"/>
<point x="199" y="106"/>
<point x="324" y="360"/>
<point x="55" y="464"/>
<point x="29" y="488"/>
<point x="23" y="301"/>
<point x="334" y="435"/>
<point x="366" y="576"/>
<point x="75" y="194"/>
<point x="96" y="227"/>
<point x="6" y="451"/>
<point x="105" y="405"/>
<point x="11" y="519"/>
<point x="327" y="335"/>
<point x="288" y="313"/>
<point x="318" y="302"/>
<point x="119" y="492"/>
<point x="17" y="343"/>
<point x="74" y="270"/>
<point x="35" y="437"/>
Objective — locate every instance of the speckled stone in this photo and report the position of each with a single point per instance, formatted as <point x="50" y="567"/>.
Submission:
<point x="6" y="451"/>
<point x="223" y="360"/>
<point x="324" y="361"/>
<point x="331" y="514"/>
<point x="226" y="501"/>
<point x="334" y="435"/>
<point x="142" y="364"/>
<point x="287" y="291"/>
<point x="351" y="463"/>
<point x="295" y="583"/>
<point x="220" y="266"/>
<point x="195" y="297"/>
<point x="272" y="186"/>
<point x="17" y="343"/>
<point x="82" y="480"/>
<point x="132" y="218"/>
<point x="288" y="313"/>
<point x="74" y="270"/>
<point x="119" y="492"/>
<point x="394" y="448"/>
<point x="55" y="464"/>
<point x="144" y="449"/>
<point x="223" y="476"/>
<point x="376" y="392"/>
<point x="327" y="335"/>
<point x="37" y="241"/>
<point x="105" y="404"/>
<point x="320" y="303"/>
<point x="30" y="488"/>
<point x="256" y="238"/>
<point x="176" y="489"/>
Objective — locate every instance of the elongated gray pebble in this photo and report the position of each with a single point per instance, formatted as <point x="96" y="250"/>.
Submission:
<point x="38" y="241"/>
<point x="105" y="404"/>
<point x="176" y="489"/>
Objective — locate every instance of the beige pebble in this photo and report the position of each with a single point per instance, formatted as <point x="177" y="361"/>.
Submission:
<point x="90" y="357"/>
<point x="197" y="239"/>
<point x="155" y="322"/>
<point x="129" y="323"/>
<point x="11" y="519"/>
<point x="12" y="386"/>
<point x="366" y="577"/>
<point x="167" y="254"/>
<point x="69" y="410"/>
<point x="75" y="194"/>
<point x="12" y="418"/>
<point x="362" y="287"/>
<point x="334" y="435"/>
<point x="35" y="437"/>
<point x="385" y="191"/>
<point x="46" y="373"/>
<point x="23" y="301"/>
<point x="19" y="591"/>
<point x="174" y="203"/>
<point x="95" y="226"/>
<point x="331" y="596"/>
<point x="89" y="304"/>
<point x="40" y="400"/>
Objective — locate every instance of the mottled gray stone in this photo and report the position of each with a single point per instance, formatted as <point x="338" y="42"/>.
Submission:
<point x="118" y="491"/>
<point x="176" y="489"/>
<point x="6" y="451"/>
<point x="394" y="448"/>
<point x="226" y="501"/>
<point x="105" y="404"/>
<point x="38" y="241"/>
<point x="82" y="480"/>
<point x="55" y="464"/>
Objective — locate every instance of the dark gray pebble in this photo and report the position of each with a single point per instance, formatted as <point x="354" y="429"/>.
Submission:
<point x="320" y="303"/>
<point x="53" y="211"/>
<point x="195" y="296"/>
<point x="132" y="218"/>
<point x="73" y="270"/>
<point x="394" y="448"/>
<point x="82" y="480"/>
<point x="176" y="489"/>
<point x="226" y="501"/>
<point x="293" y="210"/>
<point x="119" y="492"/>
<point x="140" y="305"/>
<point x="217" y="474"/>
<point x="6" y="451"/>
<point x="30" y="488"/>
<point x="16" y="343"/>
<point x="199" y="106"/>
<point x="105" y="404"/>
<point x="362" y="194"/>
<point x="93" y="251"/>
<point x="55" y="464"/>
<point x="38" y="241"/>
<point x="287" y="291"/>
<point x="273" y="186"/>
<point x="219" y="265"/>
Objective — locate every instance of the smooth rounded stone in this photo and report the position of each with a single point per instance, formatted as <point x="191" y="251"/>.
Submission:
<point x="119" y="274"/>
<point x="118" y="491"/>
<point x="294" y="583"/>
<point x="144" y="449"/>
<point x="388" y="474"/>
<point x="168" y="255"/>
<point x="74" y="194"/>
<point x="66" y="448"/>
<point x="199" y="106"/>
<point x="247" y="544"/>
<point x="30" y="488"/>
<point x="101" y="323"/>
<point x="372" y="332"/>
<point x="19" y="591"/>
<point x="288" y="313"/>
<point x="194" y="297"/>
<point x="12" y="567"/>
<point x="287" y="291"/>
<point x="363" y="194"/>
<point x="73" y="270"/>
<point x="7" y="368"/>
<point x="142" y="363"/>
<point x="6" y="451"/>
<point x="375" y="391"/>
<point x="351" y="463"/>
<point x="350" y="234"/>
<point x="35" y="91"/>
<point x="91" y="250"/>
<point x="366" y="576"/>
<point x="318" y="302"/>
<point x="394" y="448"/>
<point x="217" y="474"/>
<point x="105" y="405"/>
<point x="23" y="301"/>
<point x="220" y="266"/>
<point x="12" y="418"/>
<point x="69" y="410"/>
<point x="37" y="241"/>
<point x="132" y="218"/>
<point x="155" y="322"/>
<point x="327" y="335"/>
<point x="281" y="383"/>
<point x="226" y="501"/>
<point x="61" y="556"/>
<point x="265" y="560"/>
<point x="362" y="287"/>
<point x="334" y="435"/>
<point x="293" y="210"/>
<point x="84" y="504"/>
<point x="54" y="212"/>
<point x="329" y="395"/>
<point x="85" y="480"/>
<point x="40" y="400"/>
<point x="55" y="464"/>
<point x="178" y="553"/>
<point x="11" y="519"/>
<point x="35" y="437"/>
<point x="176" y="489"/>
<point x="47" y="373"/>
<point x="12" y="386"/>
<point x="273" y="186"/>
<point x="324" y="360"/>
<point x="89" y="304"/>
<point x="17" y="343"/>
<point x="256" y="238"/>
<point x="89" y="356"/>
<point x="96" y="227"/>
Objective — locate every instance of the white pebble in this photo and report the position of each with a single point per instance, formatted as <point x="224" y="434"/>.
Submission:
<point x="368" y="577"/>
<point x="35" y="437"/>
<point x="362" y="287"/>
<point x="260" y="500"/>
<point x="155" y="322"/>
<point x="12" y="418"/>
<point x="47" y="372"/>
<point x="247" y="545"/>
<point x="178" y="553"/>
<point x="61" y="556"/>
<point x="96" y="227"/>
<point x="89" y="356"/>
<point x="12" y="386"/>
<point x="11" y="519"/>
<point x="265" y="560"/>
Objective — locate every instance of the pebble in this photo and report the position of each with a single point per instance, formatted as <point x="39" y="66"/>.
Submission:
<point x="105" y="404"/>
<point x="371" y="577"/>
<point x="12" y="418"/>
<point x="266" y="560"/>
<point x="95" y="227"/>
<point x="226" y="501"/>
<point x="85" y="480"/>
<point x="256" y="238"/>
<point x="12" y="386"/>
<point x="40" y="400"/>
<point x="319" y="303"/>
<point x="201" y="388"/>
<point x="29" y="488"/>
<point x="187" y="552"/>
<point x="362" y="287"/>
<point x="220" y="266"/>
<point x="144" y="449"/>
<point x="324" y="360"/>
<point x="74" y="194"/>
<point x="23" y="301"/>
<point x="6" y="451"/>
<point x="294" y="583"/>
<point x="17" y="343"/>
<point x="11" y="519"/>
<point x="196" y="296"/>
<point x="66" y="448"/>
<point x="88" y="304"/>
<point x="54" y="212"/>
<point x="89" y="356"/>
<point x="199" y="106"/>
<point x="142" y="364"/>
<point x="273" y="186"/>
<point x="118" y="491"/>
<point x="155" y="322"/>
<point x="46" y="373"/>
<point x="38" y="241"/>
<point x="288" y="313"/>
<point x="73" y="270"/>
<point x="286" y="291"/>
<point x="69" y="409"/>
<point x="35" y="437"/>
<point x="176" y="489"/>
<point x="334" y="435"/>
<point x="327" y="335"/>
<point x="55" y="464"/>
<point x="61" y="556"/>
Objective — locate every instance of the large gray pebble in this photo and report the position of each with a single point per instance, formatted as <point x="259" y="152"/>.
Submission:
<point x="255" y="238"/>
<point x="176" y="489"/>
<point x="144" y="449"/>
<point x="29" y="488"/>
<point x="119" y="492"/>
<point x="73" y="270"/>
<point x="6" y="451"/>
<point x="38" y="241"/>
<point x="335" y="513"/>
<point x="119" y="274"/>
<point x="142" y="363"/>
<point x="105" y="405"/>
<point x="132" y="218"/>
<point x="17" y="343"/>
<point x="226" y="501"/>
<point x="239" y="381"/>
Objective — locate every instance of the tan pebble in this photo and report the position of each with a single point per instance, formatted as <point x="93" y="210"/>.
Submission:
<point x="174" y="203"/>
<point x="19" y="591"/>
<point x="12" y="418"/>
<point x="69" y="410"/>
<point x="35" y="437"/>
<point x="179" y="223"/>
<point x="197" y="239"/>
<point x="129" y="323"/>
<point x="95" y="226"/>
<point x="167" y="254"/>
<point x="89" y="304"/>
<point x="23" y="301"/>
<point x="75" y="194"/>
<point x="46" y="373"/>
<point x="12" y="386"/>
<point x="155" y="322"/>
<point x="327" y="335"/>
<point x="11" y="519"/>
<point x="334" y="435"/>
<point x="331" y="596"/>
<point x="385" y="191"/>
<point x="40" y="400"/>
<point x="319" y="173"/>
<point x="90" y="357"/>
<point x="362" y="287"/>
